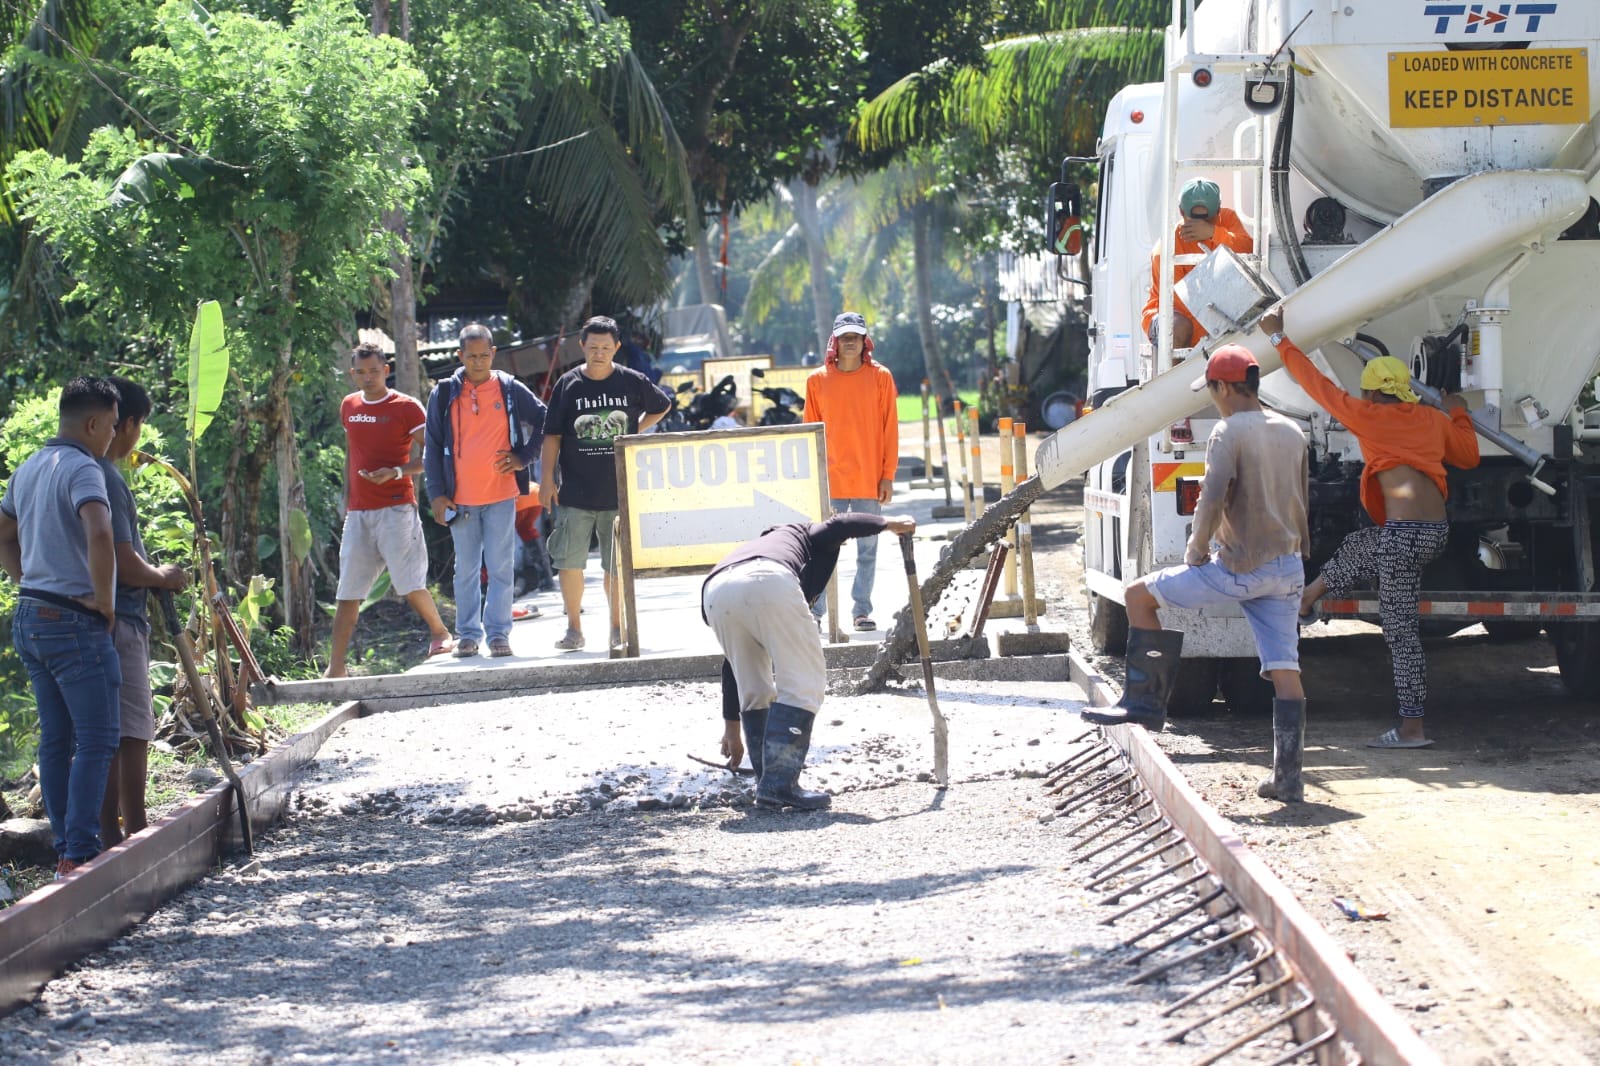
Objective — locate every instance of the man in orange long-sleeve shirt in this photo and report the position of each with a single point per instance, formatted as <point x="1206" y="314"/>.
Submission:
<point x="1206" y="224"/>
<point x="854" y="399"/>
<point x="1404" y="445"/>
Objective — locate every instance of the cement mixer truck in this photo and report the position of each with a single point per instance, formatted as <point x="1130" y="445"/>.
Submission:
<point x="1419" y="180"/>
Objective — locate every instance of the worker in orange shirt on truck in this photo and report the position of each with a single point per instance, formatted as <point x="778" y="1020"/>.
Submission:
<point x="854" y="399"/>
<point x="1206" y="224"/>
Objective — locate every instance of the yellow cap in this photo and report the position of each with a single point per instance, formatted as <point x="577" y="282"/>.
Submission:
<point x="1390" y="376"/>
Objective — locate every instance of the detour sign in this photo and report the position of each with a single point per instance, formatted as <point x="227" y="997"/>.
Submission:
<point x="1521" y="87"/>
<point x="687" y="499"/>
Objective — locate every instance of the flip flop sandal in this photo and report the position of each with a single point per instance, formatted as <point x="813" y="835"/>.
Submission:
<point x="1393" y="739"/>
<point x="524" y="611"/>
<point x="865" y="624"/>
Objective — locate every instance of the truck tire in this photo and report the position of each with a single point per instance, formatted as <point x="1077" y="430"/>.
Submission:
<point x="1108" y="626"/>
<point x="1577" y="646"/>
<point x="1195" y="688"/>
<point x="1245" y="691"/>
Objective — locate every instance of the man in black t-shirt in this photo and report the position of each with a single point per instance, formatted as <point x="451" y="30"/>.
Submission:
<point x="591" y="406"/>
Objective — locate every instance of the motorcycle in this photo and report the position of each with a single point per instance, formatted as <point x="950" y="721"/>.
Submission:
<point x="676" y="420"/>
<point x="787" y="406"/>
<point x="707" y="407"/>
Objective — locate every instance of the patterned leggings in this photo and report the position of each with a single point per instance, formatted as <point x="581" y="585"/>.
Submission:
<point x="1395" y="554"/>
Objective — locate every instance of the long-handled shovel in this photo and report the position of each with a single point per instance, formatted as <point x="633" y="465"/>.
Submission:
<point x="941" y="731"/>
<point x="202" y="697"/>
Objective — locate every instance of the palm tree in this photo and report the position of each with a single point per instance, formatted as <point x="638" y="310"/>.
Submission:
<point x="1042" y="92"/>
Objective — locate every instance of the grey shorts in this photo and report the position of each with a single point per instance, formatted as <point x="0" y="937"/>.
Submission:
<point x="388" y="537"/>
<point x="569" y="538"/>
<point x="133" y="650"/>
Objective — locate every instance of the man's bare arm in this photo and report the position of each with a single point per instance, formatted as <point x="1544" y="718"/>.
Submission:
<point x="10" y="548"/>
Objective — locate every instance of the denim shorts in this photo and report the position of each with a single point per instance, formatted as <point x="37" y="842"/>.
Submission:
<point x="1269" y="596"/>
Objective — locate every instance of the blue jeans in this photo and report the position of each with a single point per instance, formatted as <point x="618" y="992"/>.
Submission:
<point x="1269" y="596"/>
<point x="484" y="536"/>
<point x="866" y="562"/>
<point x="76" y="676"/>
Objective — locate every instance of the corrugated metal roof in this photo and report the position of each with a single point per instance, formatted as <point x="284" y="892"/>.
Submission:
<point x="1037" y="278"/>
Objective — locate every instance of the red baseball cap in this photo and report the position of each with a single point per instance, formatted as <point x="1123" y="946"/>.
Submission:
<point x="1231" y="362"/>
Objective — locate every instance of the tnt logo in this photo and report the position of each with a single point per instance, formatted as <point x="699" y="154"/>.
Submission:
<point x="1490" y="18"/>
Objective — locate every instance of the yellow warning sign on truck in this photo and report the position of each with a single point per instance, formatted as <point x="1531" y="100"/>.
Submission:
<point x="1527" y="87"/>
<point x="687" y="499"/>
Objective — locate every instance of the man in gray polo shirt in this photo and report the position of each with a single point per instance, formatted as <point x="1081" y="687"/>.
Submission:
<point x="56" y="542"/>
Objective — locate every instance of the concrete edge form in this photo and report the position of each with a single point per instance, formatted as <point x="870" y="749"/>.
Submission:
<point x="1367" y="1021"/>
<point x="477" y="683"/>
<point x="59" y="924"/>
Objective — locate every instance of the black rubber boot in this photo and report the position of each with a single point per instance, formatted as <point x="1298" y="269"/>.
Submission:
<point x="783" y="755"/>
<point x="1288" y="745"/>
<point x="755" y="735"/>
<point x="1152" y="670"/>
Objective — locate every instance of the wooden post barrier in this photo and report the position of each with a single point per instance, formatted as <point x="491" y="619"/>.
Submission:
<point x="1030" y="608"/>
<point x="1006" y="486"/>
<point x="944" y="461"/>
<point x="976" y="485"/>
<point x="966" y="470"/>
<point x="927" y="439"/>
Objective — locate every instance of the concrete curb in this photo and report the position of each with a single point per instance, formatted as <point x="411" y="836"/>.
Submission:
<point x="1364" y="1018"/>
<point x="61" y="923"/>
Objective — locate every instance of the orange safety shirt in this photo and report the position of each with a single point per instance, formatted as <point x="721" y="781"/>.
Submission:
<point x="860" y="424"/>
<point x="482" y="433"/>
<point x="1390" y="434"/>
<point x="1230" y="231"/>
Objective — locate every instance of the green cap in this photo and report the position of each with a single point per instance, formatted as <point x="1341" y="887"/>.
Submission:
<point x="1200" y="193"/>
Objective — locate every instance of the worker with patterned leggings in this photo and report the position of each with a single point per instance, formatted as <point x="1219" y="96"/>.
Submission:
<point x="1405" y="446"/>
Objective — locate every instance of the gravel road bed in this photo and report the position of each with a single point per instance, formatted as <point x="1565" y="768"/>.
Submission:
<point x="509" y="882"/>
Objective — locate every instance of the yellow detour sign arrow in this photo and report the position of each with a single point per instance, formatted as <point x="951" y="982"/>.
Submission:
<point x="687" y="499"/>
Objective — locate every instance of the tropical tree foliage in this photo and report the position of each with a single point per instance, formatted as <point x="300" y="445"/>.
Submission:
<point x="1041" y="89"/>
<point x="269" y="152"/>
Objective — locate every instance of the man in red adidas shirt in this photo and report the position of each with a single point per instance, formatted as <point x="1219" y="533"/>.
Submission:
<point x="381" y="528"/>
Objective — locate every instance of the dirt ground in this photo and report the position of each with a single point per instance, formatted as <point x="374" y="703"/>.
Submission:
<point x="516" y="881"/>
<point x="1484" y="850"/>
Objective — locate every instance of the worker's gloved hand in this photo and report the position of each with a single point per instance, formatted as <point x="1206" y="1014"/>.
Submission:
<point x="900" y="524"/>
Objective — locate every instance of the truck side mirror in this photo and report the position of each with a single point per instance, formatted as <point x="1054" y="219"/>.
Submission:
<point x="1064" y="218"/>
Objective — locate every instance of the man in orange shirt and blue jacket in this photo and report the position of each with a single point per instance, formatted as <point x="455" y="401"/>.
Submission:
<point x="1404" y="446"/>
<point x="483" y="431"/>
<point x="855" y="400"/>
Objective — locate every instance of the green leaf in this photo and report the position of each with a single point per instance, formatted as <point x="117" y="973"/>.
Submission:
<point x="139" y="183"/>
<point x="299" y="535"/>
<point x="266" y="546"/>
<point x="208" y="367"/>
<point x="380" y="589"/>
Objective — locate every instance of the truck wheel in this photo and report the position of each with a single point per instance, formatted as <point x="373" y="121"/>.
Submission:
<point x="1510" y="632"/>
<point x="1108" y="626"/>
<point x="1577" y="646"/>
<point x="1195" y="688"/>
<point x="1244" y="689"/>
